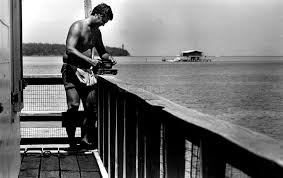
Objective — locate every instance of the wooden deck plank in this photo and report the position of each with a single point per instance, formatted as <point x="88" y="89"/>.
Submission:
<point x="87" y="163"/>
<point x="65" y="166"/>
<point x="90" y="175"/>
<point x="30" y="161"/>
<point x="49" y="174"/>
<point x="70" y="174"/>
<point x="29" y="173"/>
<point x="69" y="163"/>
<point x="50" y="163"/>
<point x="29" y="166"/>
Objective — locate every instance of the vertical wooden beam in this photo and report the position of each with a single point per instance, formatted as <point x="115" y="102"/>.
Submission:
<point x="88" y="10"/>
<point x="87" y="7"/>
<point x="101" y="120"/>
<point x="16" y="56"/>
<point x="212" y="163"/>
<point x="140" y="151"/>
<point x="111" y="132"/>
<point x="192" y="160"/>
<point x="163" y="163"/>
<point x="124" y="138"/>
<point x="105" y="127"/>
<point x="175" y="149"/>
<point x="99" y="114"/>
<point x="153" y="144"/>
<point x="119" y="139"/>
<point x="130" y="139"/>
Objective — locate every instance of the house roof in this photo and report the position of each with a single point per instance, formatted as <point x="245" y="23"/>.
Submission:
<point x="190" y="51"/>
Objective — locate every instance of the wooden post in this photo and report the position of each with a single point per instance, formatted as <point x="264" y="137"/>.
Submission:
<point x="140" y="151"/>
<point x="119" y="139"/>
<point x="87" y="7"/>
<point x="88" y="10"/>
<point x="100" y="119"/>
<point x="124" y="136"/>
<point x="16" y="55"/>
<point x="212" y="163"/>
<point x="105" y="127"/>
<point x="175" y="149"/>
<point x="153" y="127"/>
<point x="130" y="139"/>
<point x="112" y="95"/>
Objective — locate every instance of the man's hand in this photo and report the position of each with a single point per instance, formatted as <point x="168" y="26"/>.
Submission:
<point x="112" y="60"/>
<point x="95" y="62"/>
<point x="109" y="59"/>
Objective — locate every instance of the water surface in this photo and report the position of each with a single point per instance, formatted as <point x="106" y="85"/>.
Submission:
<point x="245" y="91"/>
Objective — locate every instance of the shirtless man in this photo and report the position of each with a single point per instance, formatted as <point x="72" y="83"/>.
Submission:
<point x="82" y="36"/>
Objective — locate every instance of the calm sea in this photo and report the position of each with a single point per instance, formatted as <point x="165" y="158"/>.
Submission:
<point x="244" y="90"/>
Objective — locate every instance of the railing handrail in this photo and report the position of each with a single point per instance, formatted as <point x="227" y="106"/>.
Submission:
<point x="43" y="79"/>
<point x="256" y="143"/>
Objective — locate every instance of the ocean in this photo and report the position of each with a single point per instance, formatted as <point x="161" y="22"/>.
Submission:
<point x="243" y="90"/>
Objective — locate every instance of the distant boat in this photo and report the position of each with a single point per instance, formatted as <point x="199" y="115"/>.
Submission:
<point x="189" y="56"/>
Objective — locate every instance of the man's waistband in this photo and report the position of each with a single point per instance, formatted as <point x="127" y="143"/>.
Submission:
<point x="77" y="66"/>
<point x="71" y="62"/>
<point x="74" y="67"/>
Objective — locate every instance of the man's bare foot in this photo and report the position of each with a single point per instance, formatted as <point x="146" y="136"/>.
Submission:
<point x="87" y="145"/>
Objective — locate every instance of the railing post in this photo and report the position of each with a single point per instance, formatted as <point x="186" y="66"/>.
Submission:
<point x="130" y="139"/>
<point x="106" y="105"/>
<point x="175" y="150"/>
<point x="119" y="138"/>
<point x="124" y="136"/>
<point x="140" y="170"/>
<point x="100" y="119"/>
<point x="153" y="127"/>
<point x="112" y="95"/>
<point x="212" y="163"/>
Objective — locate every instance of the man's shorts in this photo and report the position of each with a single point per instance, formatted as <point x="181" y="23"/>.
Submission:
<point x="69" y="77"/>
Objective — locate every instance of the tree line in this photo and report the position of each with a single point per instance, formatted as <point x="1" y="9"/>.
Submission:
<point x="46" y="49"/>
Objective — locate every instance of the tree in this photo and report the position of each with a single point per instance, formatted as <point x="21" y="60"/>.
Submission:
<point x="46" y="49"/>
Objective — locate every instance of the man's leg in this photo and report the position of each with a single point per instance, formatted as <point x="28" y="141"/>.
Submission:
<point x="89" y="131"/>
<point x="73" y="102"/>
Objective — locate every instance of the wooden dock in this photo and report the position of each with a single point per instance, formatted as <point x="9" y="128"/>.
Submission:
<point x="57" y="163"/>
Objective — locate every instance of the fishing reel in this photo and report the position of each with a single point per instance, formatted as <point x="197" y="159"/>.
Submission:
<point x="106" y="67"/>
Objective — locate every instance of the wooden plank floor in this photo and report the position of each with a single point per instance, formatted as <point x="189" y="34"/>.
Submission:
<point x="58" y="164"/>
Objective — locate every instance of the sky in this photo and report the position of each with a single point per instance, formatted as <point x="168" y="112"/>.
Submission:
<point x="167" y="27"/>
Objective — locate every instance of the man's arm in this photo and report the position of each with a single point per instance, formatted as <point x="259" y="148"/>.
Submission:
<point x="72" y="41"/>
<point x="100" y="48"/>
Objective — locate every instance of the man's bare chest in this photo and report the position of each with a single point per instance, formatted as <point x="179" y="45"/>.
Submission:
<point x="87" y="41"/>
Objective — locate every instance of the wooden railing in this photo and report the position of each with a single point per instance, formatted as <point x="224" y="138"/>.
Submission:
<point x="145" y="135"/>
<point x="42" y="116"/>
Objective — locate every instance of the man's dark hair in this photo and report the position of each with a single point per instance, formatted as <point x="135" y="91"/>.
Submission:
<point x="103" y="9"/>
